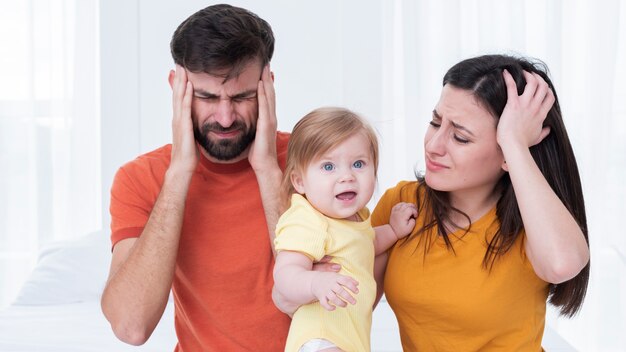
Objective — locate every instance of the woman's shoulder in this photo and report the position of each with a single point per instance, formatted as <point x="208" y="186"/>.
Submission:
<point x="403" y="191"/>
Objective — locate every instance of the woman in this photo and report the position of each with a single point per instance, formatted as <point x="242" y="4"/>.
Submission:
<point x="501" y="223"/>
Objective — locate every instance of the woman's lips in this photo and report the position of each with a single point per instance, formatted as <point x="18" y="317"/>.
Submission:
<point x="433" y="166"/>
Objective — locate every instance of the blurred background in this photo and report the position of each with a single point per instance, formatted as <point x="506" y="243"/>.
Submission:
<point x="84" y="89"/>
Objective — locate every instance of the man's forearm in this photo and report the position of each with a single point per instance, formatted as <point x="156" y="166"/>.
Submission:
<point x="141" y="275"/>
<point x="274" y="205"/>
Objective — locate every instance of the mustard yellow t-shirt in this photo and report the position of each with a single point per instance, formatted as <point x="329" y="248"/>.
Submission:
<point x="447" y="301"/>
<point x="303" y="229"/>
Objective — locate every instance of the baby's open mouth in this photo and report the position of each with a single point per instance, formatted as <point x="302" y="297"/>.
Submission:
<point x="346" y="195"/>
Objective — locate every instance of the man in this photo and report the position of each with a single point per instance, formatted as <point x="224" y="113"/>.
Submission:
<point x="197" y="216"/>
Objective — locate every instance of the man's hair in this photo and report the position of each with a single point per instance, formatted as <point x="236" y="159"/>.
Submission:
<point x="221" y="40"/>
<point x="320" y="131"/>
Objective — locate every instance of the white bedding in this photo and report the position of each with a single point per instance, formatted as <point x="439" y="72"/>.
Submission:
<point x="58" y="308"/>
<point x="73" y="327"/>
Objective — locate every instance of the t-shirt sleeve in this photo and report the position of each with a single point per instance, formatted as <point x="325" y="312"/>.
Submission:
<point x="282" y="141"/>
<point x="300" y="229"/>
<point x="129" y="208"/>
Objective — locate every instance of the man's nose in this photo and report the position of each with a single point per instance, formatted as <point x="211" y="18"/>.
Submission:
<point x="224" y="112"/>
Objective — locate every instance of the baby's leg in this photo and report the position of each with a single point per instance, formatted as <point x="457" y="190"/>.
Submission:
<point x="319" y="345"/>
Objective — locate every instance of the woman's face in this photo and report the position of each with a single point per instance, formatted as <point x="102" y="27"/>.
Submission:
<point x="461" y="152"/>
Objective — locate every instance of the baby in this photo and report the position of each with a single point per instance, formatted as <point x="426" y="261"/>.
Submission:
<point x="330" y="176"/>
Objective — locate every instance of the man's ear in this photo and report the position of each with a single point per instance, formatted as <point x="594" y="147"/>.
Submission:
<point x="297" y="182"/>
<point x="170" y="78"/>
<point x="272" y="75"/>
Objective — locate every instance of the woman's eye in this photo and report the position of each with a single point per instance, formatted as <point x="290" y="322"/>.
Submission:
<point x="358" y="164"/>
<point x="460" y="140"/>
<point x="328" y="167"/>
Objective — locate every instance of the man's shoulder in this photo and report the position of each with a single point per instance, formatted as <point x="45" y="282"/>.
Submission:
<point x="282" y="139"/>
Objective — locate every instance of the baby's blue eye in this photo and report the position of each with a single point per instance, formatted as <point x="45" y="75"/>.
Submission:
<point x="358" y="164"/>
<point x="328" y="167"/>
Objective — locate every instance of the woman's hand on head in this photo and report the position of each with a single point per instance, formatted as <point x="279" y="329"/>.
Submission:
<point x="521" y="122"/>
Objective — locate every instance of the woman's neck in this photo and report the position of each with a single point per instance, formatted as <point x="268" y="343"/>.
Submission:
<point x="474" y="205"/>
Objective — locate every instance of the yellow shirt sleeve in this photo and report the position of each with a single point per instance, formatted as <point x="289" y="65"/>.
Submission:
<point x="302" y="229"/>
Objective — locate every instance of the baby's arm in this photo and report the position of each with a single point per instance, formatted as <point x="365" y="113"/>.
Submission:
<point x="401" y="223"/>
<point x="296" y="282"/>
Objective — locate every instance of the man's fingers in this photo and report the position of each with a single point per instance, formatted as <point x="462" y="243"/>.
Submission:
<point x="262" y="98"/>
<point x="186" y="109"/>
<point x="325" y="259"/>
<point x="324" y="265"/>
<point x="270" y="97"/>
<point x="180" y="87"/>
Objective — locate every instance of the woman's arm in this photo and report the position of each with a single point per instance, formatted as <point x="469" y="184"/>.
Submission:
<point x="555" y="244"/>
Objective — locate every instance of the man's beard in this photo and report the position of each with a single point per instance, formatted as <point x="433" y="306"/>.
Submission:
<point x="225" y="149"/>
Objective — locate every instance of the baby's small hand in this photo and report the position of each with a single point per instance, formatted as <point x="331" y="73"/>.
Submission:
<point x="334" y="290"/>
<point x="402" y="219"/>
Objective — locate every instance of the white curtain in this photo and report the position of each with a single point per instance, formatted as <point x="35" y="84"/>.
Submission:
<point x="49" y="130"/>
<point x="584" y="45"/>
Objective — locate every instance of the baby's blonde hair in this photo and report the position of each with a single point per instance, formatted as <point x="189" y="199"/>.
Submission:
<point x="318" y="132"/>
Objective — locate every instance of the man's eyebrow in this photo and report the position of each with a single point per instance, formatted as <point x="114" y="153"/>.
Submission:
<point x="204" y="94"/>
<point x="436" y="114"/>
<point x="245" y="94"/>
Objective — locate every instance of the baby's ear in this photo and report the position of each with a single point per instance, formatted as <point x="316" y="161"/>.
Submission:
<point x="505" y="167"/>
<point x="296" y="181"/>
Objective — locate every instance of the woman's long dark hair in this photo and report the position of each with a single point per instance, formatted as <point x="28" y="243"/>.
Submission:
<point x="554" y="156"/>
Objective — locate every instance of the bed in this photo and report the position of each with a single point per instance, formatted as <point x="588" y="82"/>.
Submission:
<point x="58" y="308"/>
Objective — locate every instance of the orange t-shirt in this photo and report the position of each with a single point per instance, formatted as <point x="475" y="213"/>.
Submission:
<point x="223" y="278"/>
<point x="447" y="301"/>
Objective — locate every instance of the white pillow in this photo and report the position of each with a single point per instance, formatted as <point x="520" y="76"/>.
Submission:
<point x="69" y="271"/>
